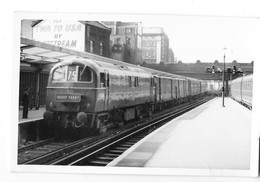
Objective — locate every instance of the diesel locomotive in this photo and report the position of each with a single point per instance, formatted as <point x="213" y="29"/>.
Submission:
<point x="242" y="90"/>
<point x="92" y="95"/>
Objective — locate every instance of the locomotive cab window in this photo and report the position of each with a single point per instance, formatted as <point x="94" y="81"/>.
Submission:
<point x="104" y="80"/>
<point x="72" y="73"/>
<point x="85" y="74"/>
<point x="60" y="74"/>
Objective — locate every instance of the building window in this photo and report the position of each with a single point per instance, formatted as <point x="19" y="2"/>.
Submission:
<point x="118" y="40"/>
<point x="91" y="46"/>
<point x="101" y="48"/>
<point x="128" y="41"/>
<point x="121" y="31"/>
<point x="128" y="30"/>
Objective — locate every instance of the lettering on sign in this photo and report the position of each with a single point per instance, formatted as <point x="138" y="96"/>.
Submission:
<point x="69" y="34"/>
<point x="68" y="97"/>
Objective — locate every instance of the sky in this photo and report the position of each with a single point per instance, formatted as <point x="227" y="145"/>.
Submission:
<point x="197" y="29"/>
<point x="204" y="38"/>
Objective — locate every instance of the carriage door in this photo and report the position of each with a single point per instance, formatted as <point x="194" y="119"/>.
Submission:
<point x="200" y="88"/>
<point x="171" y="89"/>
<point x="156" y="84"/>
<point x="107" y="90"/>
<point x="153" y="89"/>
<point x="160" y="89"/>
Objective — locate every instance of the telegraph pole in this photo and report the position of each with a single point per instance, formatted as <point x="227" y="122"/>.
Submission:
<point x="223" y="79"/>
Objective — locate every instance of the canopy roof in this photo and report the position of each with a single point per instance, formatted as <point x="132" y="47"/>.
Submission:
<point x="35" y="52"/>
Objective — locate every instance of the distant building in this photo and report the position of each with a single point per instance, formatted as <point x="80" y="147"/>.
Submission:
<point x="171" y="56"/>
<point x="125" y="41"/>
<point x="155" y="45"/>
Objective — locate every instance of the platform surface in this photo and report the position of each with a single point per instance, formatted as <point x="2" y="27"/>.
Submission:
<point x="208" y="137"/>
<point x="33" y="115"/>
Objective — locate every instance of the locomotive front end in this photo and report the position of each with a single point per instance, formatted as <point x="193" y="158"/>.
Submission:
<point x="71" y="95"/>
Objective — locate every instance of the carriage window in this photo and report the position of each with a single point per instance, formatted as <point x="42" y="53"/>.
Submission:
<point x="102" y="80"/>
<point x="136" y="83"/>
<point x="152" y="82"/>
<point x="129" y="81"/>
<point x="60" y="74"/>
<point x="84" y="74"/>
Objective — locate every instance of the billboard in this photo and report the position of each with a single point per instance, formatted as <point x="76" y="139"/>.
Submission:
<point x="61" y="33"/>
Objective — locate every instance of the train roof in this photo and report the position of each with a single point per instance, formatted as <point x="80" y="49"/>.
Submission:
<point x="243" y="78"/>
<point x="60" y="54"/>
<point x="101" y="66"/>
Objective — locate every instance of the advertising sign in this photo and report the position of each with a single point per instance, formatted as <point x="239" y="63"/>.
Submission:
<point x="61" y="33"/>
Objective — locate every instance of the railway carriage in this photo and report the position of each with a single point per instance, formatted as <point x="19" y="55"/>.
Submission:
<point x="242" y="90"/>
<point x="95" y="95"/>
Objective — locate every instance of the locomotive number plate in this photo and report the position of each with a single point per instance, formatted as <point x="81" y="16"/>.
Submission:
<point x="68" y="97"/>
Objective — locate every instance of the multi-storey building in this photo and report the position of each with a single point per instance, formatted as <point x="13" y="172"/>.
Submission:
<point x="171" y="56"/>
<point x="125" y="41"/>
<point x="155" y="45"/>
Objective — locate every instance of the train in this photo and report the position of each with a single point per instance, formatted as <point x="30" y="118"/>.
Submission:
<point x="241" y="90"/>
<point x="92" y="95"/>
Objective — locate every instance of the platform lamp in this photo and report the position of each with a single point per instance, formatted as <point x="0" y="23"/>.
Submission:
<point x="223" y="77"/>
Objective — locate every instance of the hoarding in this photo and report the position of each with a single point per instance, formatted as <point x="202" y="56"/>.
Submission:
<point x="61" y="33"/>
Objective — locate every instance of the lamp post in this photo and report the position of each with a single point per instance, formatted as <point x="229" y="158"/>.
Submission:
<point x="223" y="78"/>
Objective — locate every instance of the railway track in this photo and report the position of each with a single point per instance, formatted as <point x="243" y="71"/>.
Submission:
<point x="105" y="151"/>
<point x="100" y="150"/>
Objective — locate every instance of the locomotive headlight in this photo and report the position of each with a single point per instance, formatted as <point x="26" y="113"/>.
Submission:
<point x="52" y="105"/>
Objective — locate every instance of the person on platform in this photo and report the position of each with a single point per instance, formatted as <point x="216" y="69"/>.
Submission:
<point x="25" y="102"/>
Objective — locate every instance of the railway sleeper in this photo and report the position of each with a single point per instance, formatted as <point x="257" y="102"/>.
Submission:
<point x="116" y="151"/>
<point x="98" y="163"/>
<point x="127" y="145"/>
<point x="106" y="158"/>
<point x="110" y="154"/>
<point x="121" y="148"/>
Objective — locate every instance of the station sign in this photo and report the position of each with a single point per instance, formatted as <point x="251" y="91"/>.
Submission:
<point x="61" y="33"/>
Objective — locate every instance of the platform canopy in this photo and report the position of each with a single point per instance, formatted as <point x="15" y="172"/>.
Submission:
<point x="35" y="52"/>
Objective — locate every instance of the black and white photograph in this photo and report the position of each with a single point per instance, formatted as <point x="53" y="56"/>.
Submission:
<point x="169" y="95"/>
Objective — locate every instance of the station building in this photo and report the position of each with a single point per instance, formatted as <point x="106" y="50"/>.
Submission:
<point x="83" y="36"/>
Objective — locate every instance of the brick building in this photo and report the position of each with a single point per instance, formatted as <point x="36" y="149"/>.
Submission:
<point x="125" y="41"/>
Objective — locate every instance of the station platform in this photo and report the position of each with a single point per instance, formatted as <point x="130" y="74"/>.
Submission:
<point x="207" y="137"/>
<point x="33" y="115"/>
